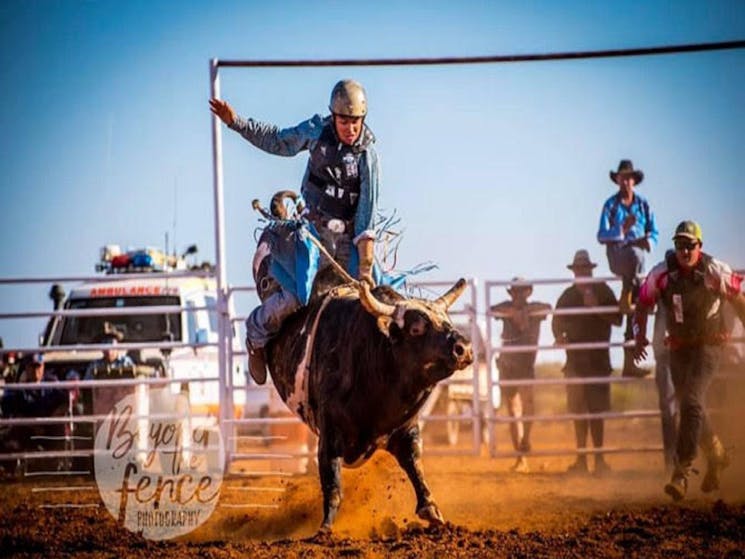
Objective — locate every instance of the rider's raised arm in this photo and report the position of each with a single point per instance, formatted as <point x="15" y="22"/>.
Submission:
<point x="286" y="142"/>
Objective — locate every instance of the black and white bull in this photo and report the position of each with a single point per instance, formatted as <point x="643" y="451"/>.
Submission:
<point x="357" y="366"/>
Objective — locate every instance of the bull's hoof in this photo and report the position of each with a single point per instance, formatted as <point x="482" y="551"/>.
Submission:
<point x="431" y="514"/>
<point x="323" y="536"/>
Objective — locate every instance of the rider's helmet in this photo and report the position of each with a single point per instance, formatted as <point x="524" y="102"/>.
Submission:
<point x="348" y="98"/>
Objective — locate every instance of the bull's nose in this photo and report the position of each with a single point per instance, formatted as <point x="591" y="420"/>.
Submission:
<point x="463" y="352"/>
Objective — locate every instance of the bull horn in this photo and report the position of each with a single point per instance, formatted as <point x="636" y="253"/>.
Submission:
<point x="256" y="205"/>
<point x="277" y="205"/>
<point x="446" y="300"/>
<point x="371" y="304"/>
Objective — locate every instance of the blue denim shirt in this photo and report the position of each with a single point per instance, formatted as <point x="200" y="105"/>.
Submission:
<point x="293" y="140"/>
<point x="613" y="215"/>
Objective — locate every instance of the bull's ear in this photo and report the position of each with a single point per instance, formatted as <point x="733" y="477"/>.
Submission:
<point x="384" y="325"/>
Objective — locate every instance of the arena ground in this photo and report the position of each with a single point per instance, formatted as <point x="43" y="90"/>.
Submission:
<point x="490" y="511"/>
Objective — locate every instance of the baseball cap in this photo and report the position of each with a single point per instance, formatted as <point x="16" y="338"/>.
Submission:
<point x="688" y="230"/>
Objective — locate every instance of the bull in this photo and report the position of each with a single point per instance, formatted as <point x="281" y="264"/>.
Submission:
<point x="356" y="365"/>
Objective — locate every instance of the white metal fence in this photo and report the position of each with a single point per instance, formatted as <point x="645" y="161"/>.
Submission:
<point x="68" y="422"/>
<point x="477" y="387"/>
<point x="470" y="398"/>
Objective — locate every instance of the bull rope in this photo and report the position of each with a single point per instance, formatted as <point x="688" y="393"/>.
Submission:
<point x="338" y="267"/>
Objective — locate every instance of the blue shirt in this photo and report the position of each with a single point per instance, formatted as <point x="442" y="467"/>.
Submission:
<point x="613" y="215"/>
<point x="293" y="140"/>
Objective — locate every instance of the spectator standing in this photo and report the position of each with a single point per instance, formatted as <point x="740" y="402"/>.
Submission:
<point x="521" y="327"/>
<point x="628" y="230"/>
<point x="592" y="326"/>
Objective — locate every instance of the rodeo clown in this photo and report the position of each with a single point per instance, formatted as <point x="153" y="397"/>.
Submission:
<point x="340" y="191"/>
<point x="691" y="285"/>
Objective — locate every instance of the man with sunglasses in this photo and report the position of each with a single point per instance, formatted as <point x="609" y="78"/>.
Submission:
<point x="340" y="190"/>
<point x="690" y="285"/>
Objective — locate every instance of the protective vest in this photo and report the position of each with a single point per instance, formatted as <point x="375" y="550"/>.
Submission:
<point x="333" y="187"/>
<point x="694" y="311"/>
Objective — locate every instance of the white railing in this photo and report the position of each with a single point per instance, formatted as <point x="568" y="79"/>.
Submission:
<point x="475" y="387"/>
<point x="467" y="310"/>
<point x="75" y="445"/>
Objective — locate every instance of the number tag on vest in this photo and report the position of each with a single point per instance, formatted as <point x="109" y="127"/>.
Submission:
<point x="678" y="307"/>
<point x="350" y="165"/>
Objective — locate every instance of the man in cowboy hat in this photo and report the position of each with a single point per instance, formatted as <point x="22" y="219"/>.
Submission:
<point x="592" y="326"/>
<point x="627" y="229"/>
<point x="692" y="286"/>
<point x="522" y="323"/>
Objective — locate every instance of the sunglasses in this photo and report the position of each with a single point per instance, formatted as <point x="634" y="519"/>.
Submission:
<point x="685" y="245"/>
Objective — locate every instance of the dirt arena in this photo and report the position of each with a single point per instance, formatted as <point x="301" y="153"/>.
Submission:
<point x="490" y="511"/>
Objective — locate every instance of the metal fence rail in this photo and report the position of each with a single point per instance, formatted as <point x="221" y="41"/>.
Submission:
<point x="467" y="310"/>
<point x="476" y="387"/>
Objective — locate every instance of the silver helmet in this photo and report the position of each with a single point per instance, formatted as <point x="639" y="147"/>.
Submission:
<point x="348" y="98"/>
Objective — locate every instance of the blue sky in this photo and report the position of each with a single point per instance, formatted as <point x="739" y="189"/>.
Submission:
<point x="495" y="170"/>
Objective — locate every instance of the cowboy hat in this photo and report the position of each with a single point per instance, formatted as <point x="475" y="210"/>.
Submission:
<point x="522" y="286"/>
<point x="581" y="260"/>
<point x="626" y="167"/>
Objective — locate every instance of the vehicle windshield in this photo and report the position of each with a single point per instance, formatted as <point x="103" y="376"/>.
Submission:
<point x="136" y="328"/>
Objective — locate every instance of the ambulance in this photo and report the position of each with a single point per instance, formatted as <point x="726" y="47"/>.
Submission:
<point x="122" y="290"/>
